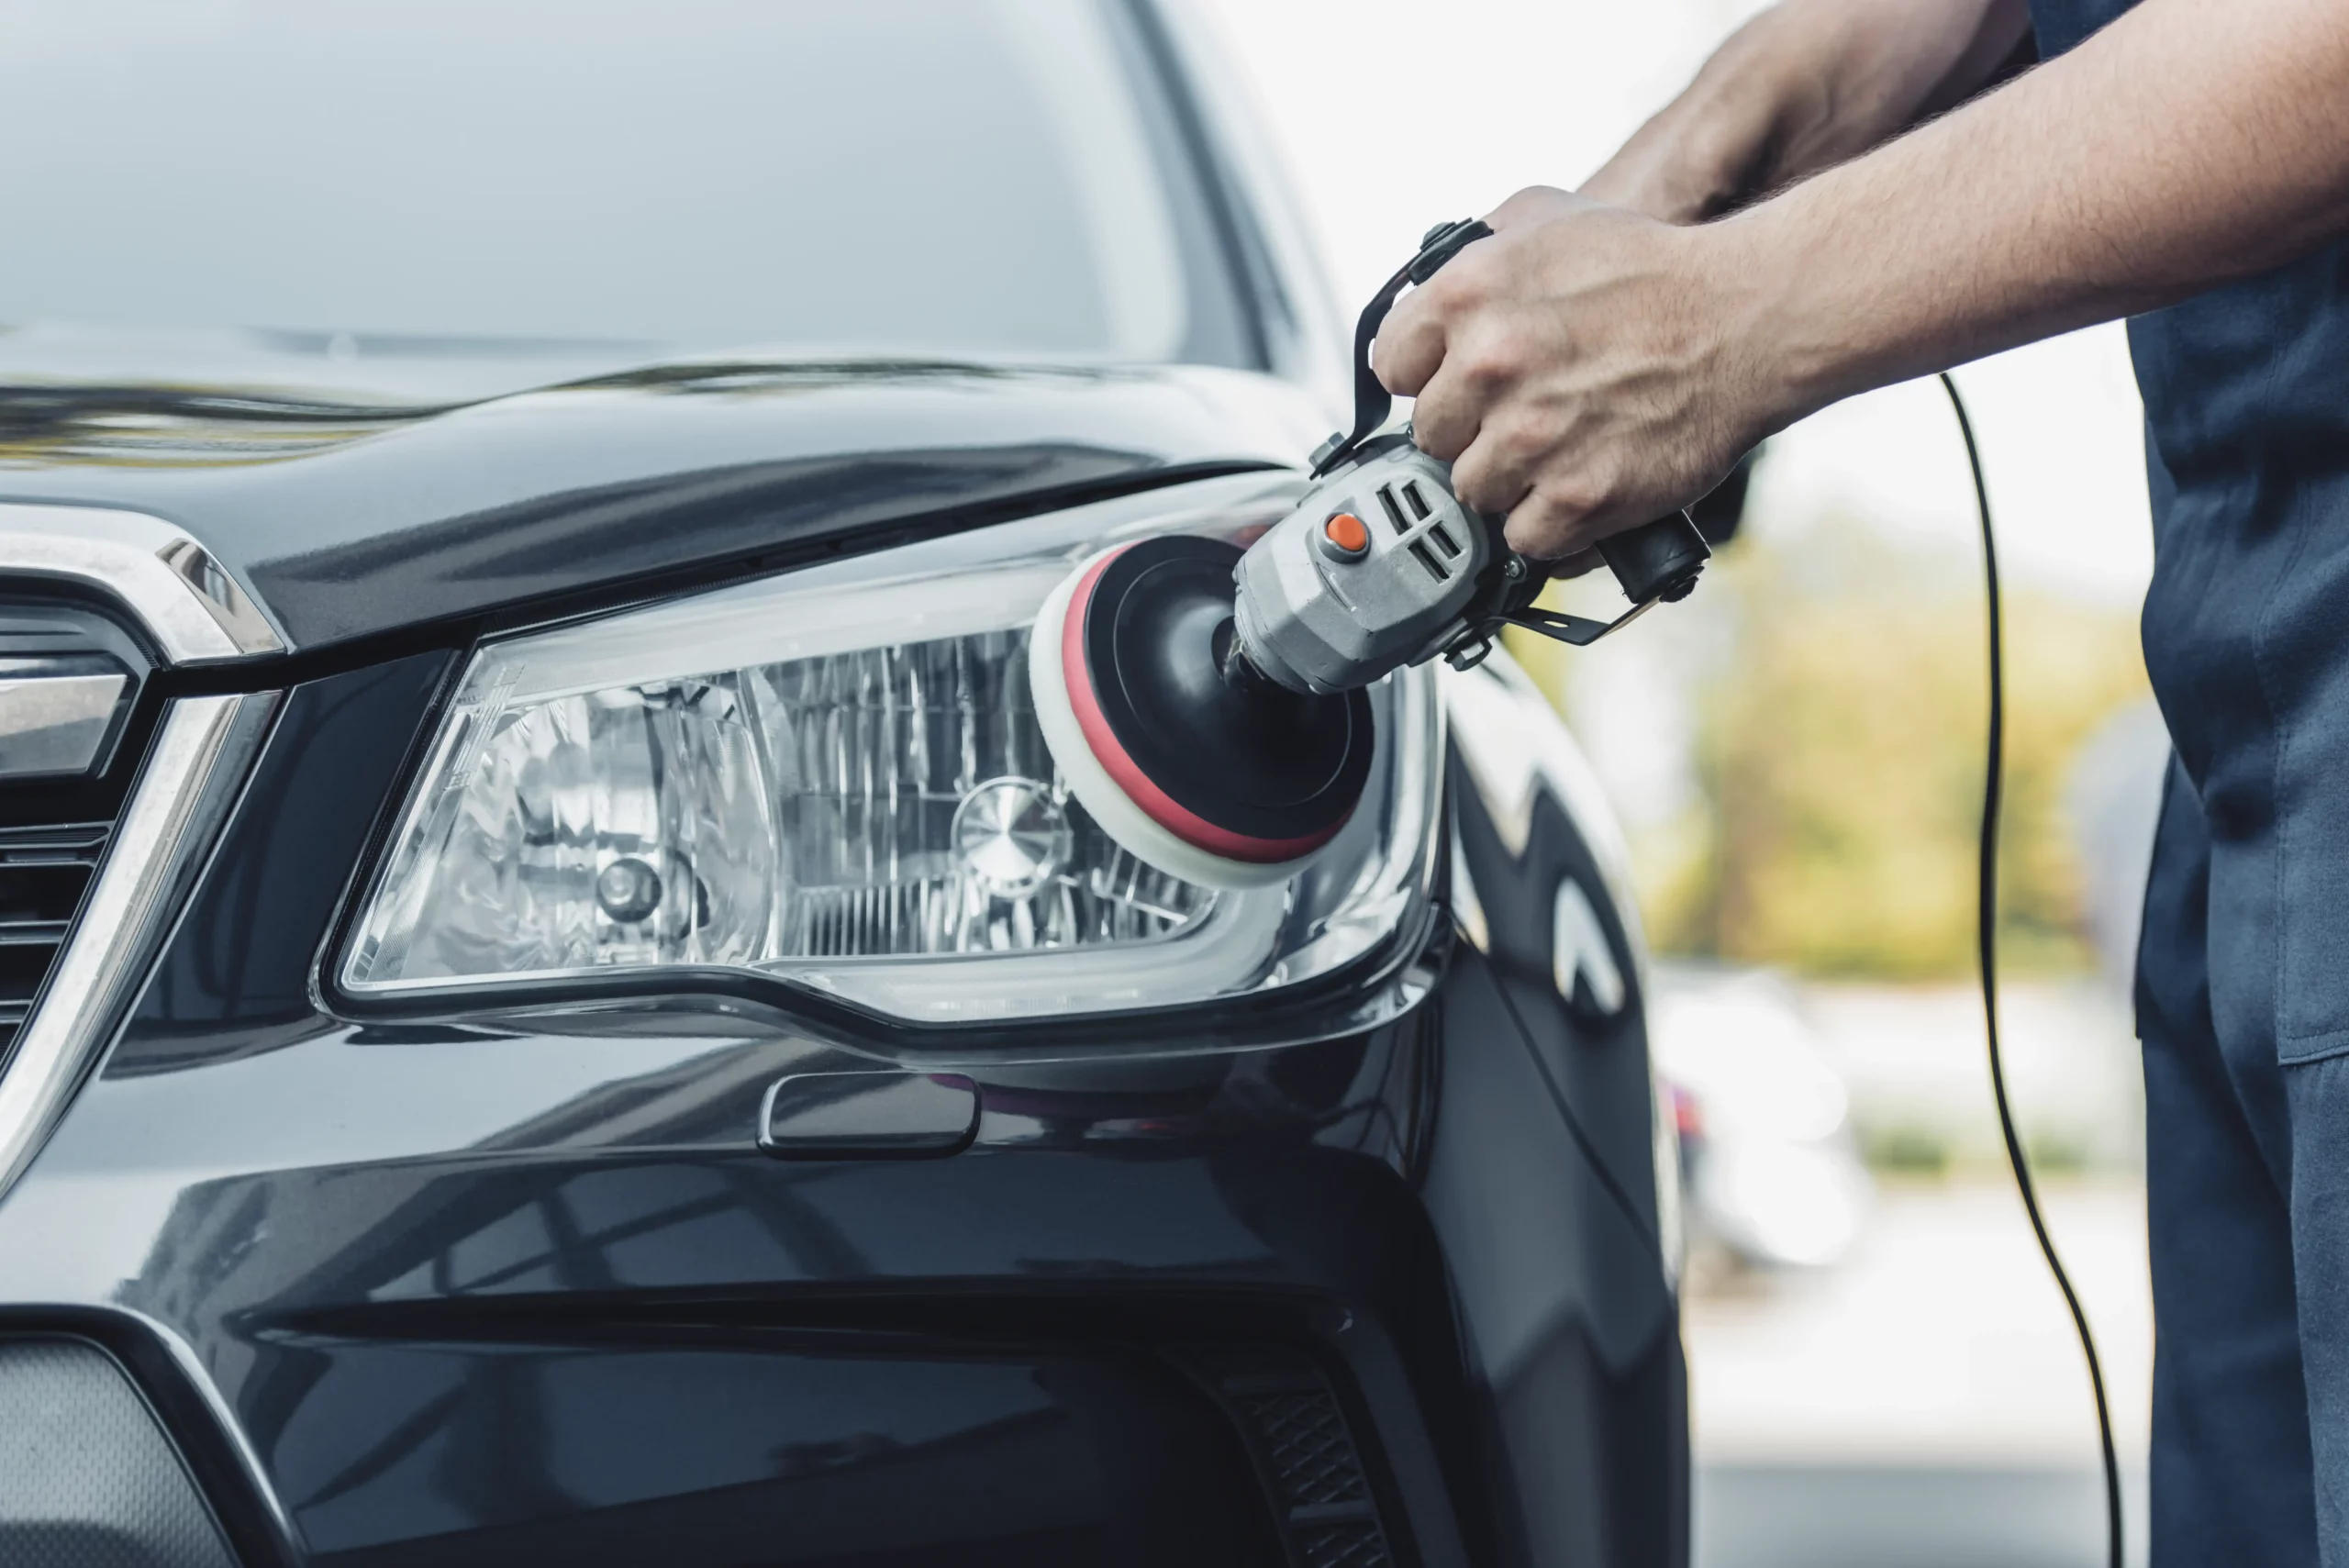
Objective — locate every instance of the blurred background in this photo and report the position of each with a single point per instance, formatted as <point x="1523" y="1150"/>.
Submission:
<point x="1882" y="1374"/>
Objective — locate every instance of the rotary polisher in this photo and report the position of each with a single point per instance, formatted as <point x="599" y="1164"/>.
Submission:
<point x="1206" y="705"/>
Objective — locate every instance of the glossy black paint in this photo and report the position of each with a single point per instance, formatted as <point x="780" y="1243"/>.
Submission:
<point x="354" y="520"/>
<point x="444" y="1279"/>
<point x="528" y="1288"/>
<point x="758" y="1448"/>
<point x="1585" y="1057"/>
<point x="238" y="977"/>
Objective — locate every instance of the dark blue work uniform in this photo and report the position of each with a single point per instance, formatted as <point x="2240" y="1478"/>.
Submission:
<point x="2242" y="986"/>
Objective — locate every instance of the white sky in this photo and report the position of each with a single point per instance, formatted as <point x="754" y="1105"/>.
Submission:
<point x="1400" y="113"/>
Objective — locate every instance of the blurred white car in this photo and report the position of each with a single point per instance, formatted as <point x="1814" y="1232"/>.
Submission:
<point x="1769" y="1161"/>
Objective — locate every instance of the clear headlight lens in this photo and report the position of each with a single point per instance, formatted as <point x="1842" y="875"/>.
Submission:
<point x="835" y="778"/>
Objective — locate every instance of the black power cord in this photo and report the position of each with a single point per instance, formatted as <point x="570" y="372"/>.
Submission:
<point x="1986" y="939"/>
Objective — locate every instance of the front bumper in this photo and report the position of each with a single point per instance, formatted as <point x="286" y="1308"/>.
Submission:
<point x="418" y="1293"/>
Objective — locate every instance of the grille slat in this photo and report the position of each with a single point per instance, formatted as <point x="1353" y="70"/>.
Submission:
<point x="1296" y="1433"/>
<point x="54" y="826"/>
<point x="1348" y="1546"/>
<point x="1312" y="1456"/>
<point x="44" y="872"/>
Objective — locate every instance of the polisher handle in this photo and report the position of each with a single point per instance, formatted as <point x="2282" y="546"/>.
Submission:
<point x="1657" y="561"/>
<point x="1657" y="564"/>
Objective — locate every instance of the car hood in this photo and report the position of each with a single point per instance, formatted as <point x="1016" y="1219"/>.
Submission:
<point x="357" y="492"/>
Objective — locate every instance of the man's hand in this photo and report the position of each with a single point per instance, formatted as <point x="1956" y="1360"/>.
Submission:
<point x="1585" y="371"/>
<point x="1589" y="368"/>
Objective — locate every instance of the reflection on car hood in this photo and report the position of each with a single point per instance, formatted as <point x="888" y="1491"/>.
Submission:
<point x="358" y="491"/>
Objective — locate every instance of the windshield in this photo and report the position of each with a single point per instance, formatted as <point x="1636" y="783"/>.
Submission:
<point x="854" y="176"/>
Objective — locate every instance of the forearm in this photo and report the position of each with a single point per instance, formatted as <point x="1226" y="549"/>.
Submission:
<point x="1588" y="368"/>
<point x="2189" y="144"/>
<point x="1806" y="84"/>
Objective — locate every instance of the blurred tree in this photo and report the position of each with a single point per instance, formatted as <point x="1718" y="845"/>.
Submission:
<point x="1840" y="759"/>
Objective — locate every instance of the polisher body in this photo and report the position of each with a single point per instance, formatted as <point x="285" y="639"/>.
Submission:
<point x="1379" y="565"/>
<point x="1207" y="707"/>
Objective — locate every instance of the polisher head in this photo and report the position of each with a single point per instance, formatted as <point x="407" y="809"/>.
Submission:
<point x="1210" y="773"/>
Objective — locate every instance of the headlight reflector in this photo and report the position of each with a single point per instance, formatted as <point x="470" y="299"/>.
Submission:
<point x="834" y="777"/>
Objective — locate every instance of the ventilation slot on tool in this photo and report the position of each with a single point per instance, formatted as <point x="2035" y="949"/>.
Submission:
<point x="1436" y="569"/>
<point x="1418" y="503"/>
<point x="1443" y="542"/>
<point x="1394" y="508"/>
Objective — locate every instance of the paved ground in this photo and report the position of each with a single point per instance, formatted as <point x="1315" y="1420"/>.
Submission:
<point x="1922" y="1403"/>
<point x="1907" y="1517"/>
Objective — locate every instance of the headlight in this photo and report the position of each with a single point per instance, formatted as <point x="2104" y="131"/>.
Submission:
<point x="834" y="779"/>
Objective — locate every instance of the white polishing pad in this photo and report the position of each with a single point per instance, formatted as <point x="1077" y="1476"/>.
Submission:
<point x="1101" y="795"/>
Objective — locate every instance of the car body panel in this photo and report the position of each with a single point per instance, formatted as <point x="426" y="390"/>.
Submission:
<point x="350" y="518"/>
<point x="336" y="1219"/>
<point x="1302" y="1280"/>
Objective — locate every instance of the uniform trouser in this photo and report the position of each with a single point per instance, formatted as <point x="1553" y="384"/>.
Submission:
<point x="2247" y="1187"/>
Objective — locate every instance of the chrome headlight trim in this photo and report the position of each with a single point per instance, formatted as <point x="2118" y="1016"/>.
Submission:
<point x="983" y="583"/>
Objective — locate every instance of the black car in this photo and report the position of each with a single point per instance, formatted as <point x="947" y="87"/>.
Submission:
<point x="555" y="1009"/>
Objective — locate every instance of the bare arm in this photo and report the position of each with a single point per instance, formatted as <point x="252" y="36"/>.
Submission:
<point x="1802" y="86"/>
<point x="2188" y="145"/>
<point x="1591" y="368"/>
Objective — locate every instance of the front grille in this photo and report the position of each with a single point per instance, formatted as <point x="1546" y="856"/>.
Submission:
<point x="1305" y="1453"/>
<point x="1345" y="1546"/>
<point x="59" y="801"/>
<point x="1307" y="1445"/>
<point x="44" y="872"/>
<point x="88" y="1476"/>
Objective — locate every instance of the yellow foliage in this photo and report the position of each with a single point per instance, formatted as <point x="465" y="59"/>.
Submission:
<point x="1841" y="754"/>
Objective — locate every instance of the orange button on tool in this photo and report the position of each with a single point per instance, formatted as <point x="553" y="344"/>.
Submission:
<point x="1346" y="533"/>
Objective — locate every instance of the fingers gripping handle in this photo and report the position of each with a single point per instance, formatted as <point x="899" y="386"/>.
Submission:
<point x="1656" y="563"/>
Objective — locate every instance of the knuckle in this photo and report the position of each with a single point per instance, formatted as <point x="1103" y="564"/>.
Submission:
<point x="1435" y="415"/>
<point x="1398" y="375"/>
<point x="1523" y="438"/>
<point x="1538" y="531"/>
<point x="1476" y="482"/>
<point x="1401" y="372"/>
<point x="1575" y="494"/>
<point x="1493" y="359"/>
<point x="1436" y="436"/>
<point x="1484" y="374"/>
<point x="1461" y="285"/>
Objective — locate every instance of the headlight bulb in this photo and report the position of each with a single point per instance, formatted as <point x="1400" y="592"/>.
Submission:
<point x="628" y="890"/>
<point x="1012" y="837"/>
